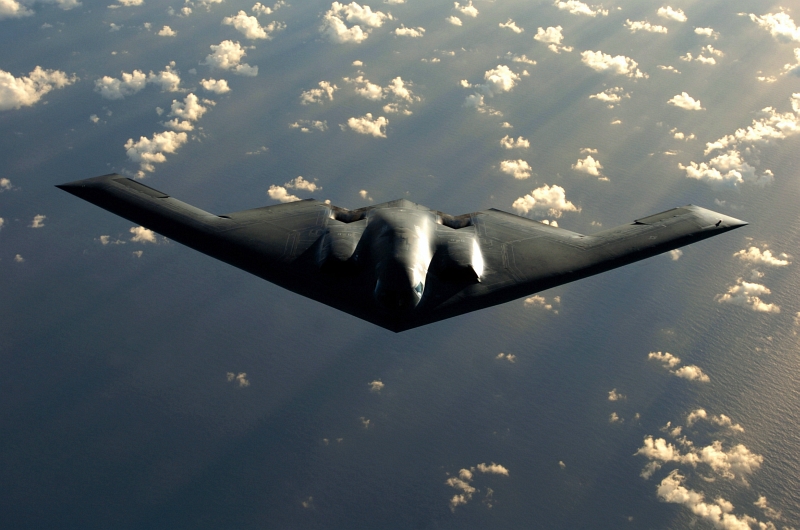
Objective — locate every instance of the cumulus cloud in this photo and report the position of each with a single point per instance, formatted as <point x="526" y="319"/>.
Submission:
<point x="463" y="483"/>
<point x="367" y="125"/>
<point x="689" y="371"/>
<point x="514" y="58"/>
<point x="707" y="32"/>
<point x="168" y="78"/>
<point x="454" y="20"/>
<point x="38" y="221"/>
<point x="765" y="257"/>
<point x="780" y="25"/>
<point x="666" y="358"/>
<point x="317" y="95"/>
<point x="187" y="111"/>
<point x="611" y="96"/>
<point x="747" y="294"/>
<point x="685" y="101"/>
<point x="615" y="396"/>
<point x="250" y="28"/>
<point x="19" y="259"/>
<point x="497" y="81"/>
<point x="681" y="136"/>
<point x="129" y="84"/>
<point x="671" y="14"/>
<point x="722" y="420"/>
<point x="643" y="25"/>
<point x="551" y="200"/>
<point x="494" y="469"/>
<point x="149" y="151"/>
<point x="376" y="386"/>
<point x="675" y="254"/>
<point x="519" y="169"/>
<point x="467" y="9"/>
<point x="620" y="65"/>
<point x="227" y="55"/>
<point x="511" y="25"/>
<point x="589" y="166"/>
<point x="510" y="357"/>
<point x="510" y="143"/>
<point x="727" y="169"/>
<point x="335" y="21"/>
<point x="141" y="235"/>
<point x="239" y="379"/>
<point x="306" y="126"/>
<point x="398" y="90"/>
<point x="576" y="7"/>
<point x="166" y="31"/>
<point x="539" y="300"/>
<point x="552" y="36"/>
<point x="217" y="86"/>
<point x="13" y="9"/>
<point x="299" y="183"/>
<point x="5" y="185"/>
<point x="279" y="193"/>
<point x="403" y="31"/>
<point x="25" y="91"/>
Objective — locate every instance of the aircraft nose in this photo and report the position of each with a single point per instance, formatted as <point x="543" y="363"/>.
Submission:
<point x="394" y="292"/>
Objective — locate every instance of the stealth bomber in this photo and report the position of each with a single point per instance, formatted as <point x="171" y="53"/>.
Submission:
<point x="400" y="265"/>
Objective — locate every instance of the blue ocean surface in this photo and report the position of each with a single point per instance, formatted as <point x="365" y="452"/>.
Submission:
<point x="145" y="385"/>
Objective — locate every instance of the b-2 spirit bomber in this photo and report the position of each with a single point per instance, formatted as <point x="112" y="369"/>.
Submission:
<point x="400" y="265"/>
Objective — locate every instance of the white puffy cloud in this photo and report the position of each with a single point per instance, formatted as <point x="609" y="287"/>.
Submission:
<point x="685" y="101"/>
<point x="692" y="373"/>
<point x="576" y="7"/>
<point x="672" y="14"/>
<point x="364" y="194"/>
<point x="615" y="396"/>
<point x="129" y="84"/>
<point x="675" y="254"/>
<point x="166" y="31"/>
<point x="365" y="88"/>
<point x="707" y="32"/>
<point x="747" y="294"/>
<point x="765" y="257"/>
<point x="13" y="9"/>
<point x="643" y="25"/>
<point x="773" y="125"/>
<point x="149" y="151"/>
<point x="552" y="36"/>
<point x="168" y="79"/>
<point x="463" y="483"/>
<point x="611" y="96"/>
<point x="514" y="58"/>
<point x="250" y="28"/>
<point x="240" y="379"/>
<point x="335" y="20"/>
<point x="19" y="259"/>
<point x="727" y="169"/>
<point x="217" y="86"/>
<point x="510" y="357"/>
<point x="38" y="221"/>
<point x="403" y="31"/>
<point x="468" y="9"/>
<point x="397" y="89"/>
<point x="376" y="386"/>
<point x="126" y="3"/>
<point x="666" y="358"/>
<point x="141" y="235"/>
<point x="519" y="169"/>
<point x="539" y="300"/>
<point x="722" y="420"/>
<point x="589" y="166"/>
<point x="227" y="55"/>
<point x="5" y="185"/>
<point x="669" y="68"/>
<point x="780" y="25"/>
<point x="317" y="95"/>
<point x="367" y="125"/>
<point x="551" y="200"/>
<point x="454" y="20"/>
<point x="299" y="183"/>
<point x="494" y="469"/>
<point x="681" y="136"/>
<point x="307" y="125"/>
<point x="511" y="25"/>
<point x="497" y="80"/>
<point x="184" y="112"/>
<point x="510" y="143"/>
<point x="620" y="65"/>
<point x="279" y="193"/>
<point x="25" y="91"/>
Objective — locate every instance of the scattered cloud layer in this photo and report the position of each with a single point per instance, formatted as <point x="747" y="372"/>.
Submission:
<point x="25" y="91"/>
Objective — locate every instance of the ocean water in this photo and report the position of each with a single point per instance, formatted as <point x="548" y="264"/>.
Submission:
<point x="116" y="405"/>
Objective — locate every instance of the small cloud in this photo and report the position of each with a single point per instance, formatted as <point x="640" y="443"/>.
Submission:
<point x="519" y="169"/>
<point x="38" y="221"/>
<point x="550" y="199"/>
<point x="510" y="357"/>
<point x="467" y="9"/>
<point x="142" y="235"/>
<point x="26" y="91"/>
<point x="506" y="125"/>
<point x="561" y="464"/>
<point x="780" y="25"/>
<point x="747" y="294"/>
<point x="707" y="32"/>
<point x="365" y="195"/>
<point x="675" y="254"/>
<point x="692" y="373"/>
<point x="260" y="150"/>
<point x="552" y="36"/>
<point x="759" y="257"/>
<point x="454" y="20"/>
<point x="614" y="418"/>
<point x="511" y="25"/>
<point x="279" y="193"/>
<point x="217" y="86"/>
<point x="19" y="259"/>
<point x="494" y="469"/>
<point x="299" y="183"/>
<point x="666" y="358"/>
<point x="367" y="125"/>
<point x="669" y="68"/>
<point x="365" y="422"/>
<point x="250" y="27"/>
<point x="376" y="386"/>
<point x="539" y="300"/>
<point x="672" y="14"/>
<point x="589" y="166"/>
<point x="227" y="55"/>
<point x="642" y="25"/>
<point x="306" y="126"/>
<point x="510" y="143"/>
<point x="334" y="25"/>
<point x="137" y="253"/>
<point x="403" y="31"/>
<point x="615" y="396"/>
<point x="620" y="65"/>
<point x="239" y="379"/>
<point x="167" y="31"/>
<point x="5" y="185"/>
<point x="611" y="96"/>
<point x="685" y="101"/>
<point x="576" y="7"/>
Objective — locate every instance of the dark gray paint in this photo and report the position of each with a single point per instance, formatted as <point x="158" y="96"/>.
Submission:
<point x="321" y="252"/>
